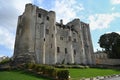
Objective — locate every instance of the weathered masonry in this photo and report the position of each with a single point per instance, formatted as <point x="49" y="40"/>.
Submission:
<point x="40" y="39"/>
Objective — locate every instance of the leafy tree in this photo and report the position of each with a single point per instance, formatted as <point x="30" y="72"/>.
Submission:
<point x="116" y="49"/>
<point x="111" y="43"/>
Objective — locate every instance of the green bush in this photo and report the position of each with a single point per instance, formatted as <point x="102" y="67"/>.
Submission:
<point x="48" y="71"/>
<point x="31" y="66"/>
<point x="4" y="61"/>
<point x="52" y="72"/>
<point x="43" y="69"/>
<point x="26" y="66"/>
<point x="37" y="68"/>
<point x="87" y="67"/>
<point x="63" y="75"/>
<point x="79" y="67"/>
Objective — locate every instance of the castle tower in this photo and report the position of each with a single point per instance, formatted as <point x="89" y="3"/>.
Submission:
<point x="35" y="35"/>
<point x="25" y="36"/>
<point x="40" y="39"/>
<point x="87" y="43"/>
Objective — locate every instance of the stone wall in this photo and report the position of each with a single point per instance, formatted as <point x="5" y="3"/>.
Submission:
<point x="108" y="61"/>
<point x="40" y="39"/>
<point x="102" y="58"/>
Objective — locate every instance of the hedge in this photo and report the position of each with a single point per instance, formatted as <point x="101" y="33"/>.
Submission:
<point x="47" y="71"/>
<point x="63" y="75"/>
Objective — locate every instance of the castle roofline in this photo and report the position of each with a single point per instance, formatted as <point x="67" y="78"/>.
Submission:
<point x="30" y="4"/>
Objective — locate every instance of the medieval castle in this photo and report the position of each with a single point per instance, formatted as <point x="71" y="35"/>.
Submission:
<point x="40" y="39"/>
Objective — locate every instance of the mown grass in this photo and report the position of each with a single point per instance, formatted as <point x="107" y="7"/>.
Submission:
<point x="76" y="74"/>
<point x="19" y="75"/>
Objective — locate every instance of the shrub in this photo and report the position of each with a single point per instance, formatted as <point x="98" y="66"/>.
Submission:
<point x="4" y="61"/>
<point x="52" y="72"/>
<point x="87" y="67"/>
<point x="63" y="75"/>
<point x="31" y="66"/>
<point x="48" y="71"/>
<point x="26" y="66"/>
<point x="37" y="68"/>
<point x="43" y="69"/>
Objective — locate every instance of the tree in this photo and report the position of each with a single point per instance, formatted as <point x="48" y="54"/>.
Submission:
<point x="111" y="43"/>
<point x="116" y="48"/>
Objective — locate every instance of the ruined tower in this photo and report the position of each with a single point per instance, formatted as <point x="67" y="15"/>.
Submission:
<point x="40" y="39"/>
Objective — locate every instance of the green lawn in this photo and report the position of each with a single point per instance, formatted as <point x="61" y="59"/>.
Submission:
<point x="18" y="75"/>
<point x="76" y="74"/>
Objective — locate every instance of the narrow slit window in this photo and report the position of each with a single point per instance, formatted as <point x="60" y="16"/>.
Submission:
<point x="74" y="52"/>
<point x="51" y="45"/>
<point x="44" y="39"/>
<point x="58" y="49"/>
<point x="52" y="35"/>
<point x="65" y="50"/>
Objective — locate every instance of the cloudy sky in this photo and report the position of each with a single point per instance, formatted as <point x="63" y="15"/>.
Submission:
<point x="102" y="15"/>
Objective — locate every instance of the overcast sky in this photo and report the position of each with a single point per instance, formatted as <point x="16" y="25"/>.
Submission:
<point x="102" y="15"/>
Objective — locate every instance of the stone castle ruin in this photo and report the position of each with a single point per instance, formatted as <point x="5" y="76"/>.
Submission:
<point x="40" y="39"/>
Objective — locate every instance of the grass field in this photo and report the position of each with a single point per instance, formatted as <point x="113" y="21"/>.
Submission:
<point x="75" y="74"/>
<point x="18" y="75"/>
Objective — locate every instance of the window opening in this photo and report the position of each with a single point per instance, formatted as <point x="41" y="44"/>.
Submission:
<point x="44" y="39"/>
<point x="74" y="40"/>
<point x="61" y="38"/>
<point x="47" y="18"/>
<point x="58" y="49"/>
<point x="74" y="52"/>
<point x="52" y="35"/>
<point x="65" y="50"/>
<point x="39" y="15"/>
<point x="47" y="31"/>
